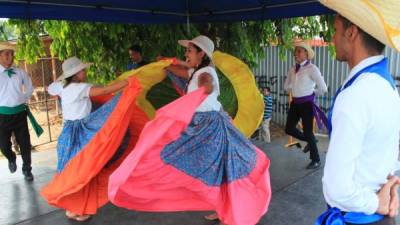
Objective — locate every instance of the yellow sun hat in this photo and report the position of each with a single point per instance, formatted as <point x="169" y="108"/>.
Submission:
<point x="7" y="46"/>
<point x="307" y="47"/>
<point x="379" y="18"/>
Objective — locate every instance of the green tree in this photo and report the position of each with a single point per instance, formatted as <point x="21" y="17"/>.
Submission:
<point x="6" y="31"/>
<point x="106" y="44"/>
<point x="29" y="44"/>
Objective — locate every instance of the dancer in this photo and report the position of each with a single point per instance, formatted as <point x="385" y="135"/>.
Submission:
<point x="364" y="117"/>
<point x="15" y="90"/>
<point x="191" y="157"/>
<point x="89" y="144"/>
<point x="304" y="80"/>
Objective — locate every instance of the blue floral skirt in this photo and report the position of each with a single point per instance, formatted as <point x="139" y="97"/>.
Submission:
<point x="77" y="133"/>
<point x="212" y="150"/>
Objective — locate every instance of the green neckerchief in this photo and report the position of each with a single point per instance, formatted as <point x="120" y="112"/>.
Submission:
<point x="10" y="72"/>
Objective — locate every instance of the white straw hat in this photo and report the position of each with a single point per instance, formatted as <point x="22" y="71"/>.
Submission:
<point x="379" y="18"/>
<point x="202" y="42"/>
<point x="72" y="66"/>
<point x="307" y="47"/>
<point x="7" y="46"/>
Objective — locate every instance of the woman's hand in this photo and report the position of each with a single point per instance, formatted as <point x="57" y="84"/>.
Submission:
<point x="175" y="61"/>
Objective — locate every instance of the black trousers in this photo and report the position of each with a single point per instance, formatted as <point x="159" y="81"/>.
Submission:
<point x="305" y="113"/>
<point x="19" y="125"/>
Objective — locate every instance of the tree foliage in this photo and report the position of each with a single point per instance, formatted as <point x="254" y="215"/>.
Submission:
<point x="29" y="45"/>
<point x="106" y="44"/>
<point x="7" y="31"/>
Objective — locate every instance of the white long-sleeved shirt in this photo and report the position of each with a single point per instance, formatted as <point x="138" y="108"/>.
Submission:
<point x="14" y="90"/>
<point x="364" y="143"/>
<point x="306" y="81"/>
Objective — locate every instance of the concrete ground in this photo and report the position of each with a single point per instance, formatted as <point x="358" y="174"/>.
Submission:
<point x="297" y="194"/>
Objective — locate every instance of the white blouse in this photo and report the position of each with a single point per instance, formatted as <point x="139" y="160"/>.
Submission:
<point x="75" y="101"/>
<point x="211" y="103"/>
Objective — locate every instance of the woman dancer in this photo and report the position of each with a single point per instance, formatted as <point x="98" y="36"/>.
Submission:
<point x="88" y="140"/>
<point x="191" y="157"/>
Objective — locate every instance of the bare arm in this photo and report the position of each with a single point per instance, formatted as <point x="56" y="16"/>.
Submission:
<point x="96" y="91"/>
<point x="205" y="80"/>
<point x="179" y="71"/>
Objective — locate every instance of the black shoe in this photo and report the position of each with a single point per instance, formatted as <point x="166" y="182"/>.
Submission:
<point x="313" y="165"/>
<point x="12" y="166"/>
<point x="28" y="175"/>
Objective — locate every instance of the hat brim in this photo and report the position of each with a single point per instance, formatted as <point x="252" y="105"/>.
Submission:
<point x="8" y="47"/>
<point x="368" y="18"/>
<point x="74" y="71"/>
<point x="185" y="43"/>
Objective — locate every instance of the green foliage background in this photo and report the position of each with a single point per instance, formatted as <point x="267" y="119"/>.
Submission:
<point x="106" y="44"/>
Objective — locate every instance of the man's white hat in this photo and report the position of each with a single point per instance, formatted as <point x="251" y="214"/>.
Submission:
<point x="202" y="42"/>
<point x="7" y="46"/>
<point x="307" y="47"/>
<point x="72" y="66"/>
<point x="379" y="18"/>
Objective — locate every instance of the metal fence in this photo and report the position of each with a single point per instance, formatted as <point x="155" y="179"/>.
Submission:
<point x="44" y="107"/>
<point x="272" y="71"/>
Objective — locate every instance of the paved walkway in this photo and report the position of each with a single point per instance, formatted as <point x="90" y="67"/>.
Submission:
<point x="297" y="194"/>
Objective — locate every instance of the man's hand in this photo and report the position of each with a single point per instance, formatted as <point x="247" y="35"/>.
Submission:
<point x="388" y="197"/>
<point x="394" y="199"/>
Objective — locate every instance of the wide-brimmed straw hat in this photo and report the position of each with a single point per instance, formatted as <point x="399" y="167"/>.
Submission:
<point x="307" y="47"/>
<point x="7" y="46"/>
<point x="379" y="18"/>
<point x="203" y="42"/>
<point x="72" y="66"/>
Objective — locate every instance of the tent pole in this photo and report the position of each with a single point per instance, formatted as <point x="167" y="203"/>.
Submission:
<point x="188" y="25"/>
<point x="187" y="18"/>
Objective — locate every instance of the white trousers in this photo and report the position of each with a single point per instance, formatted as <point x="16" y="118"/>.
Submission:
<point x="265" y="134"/>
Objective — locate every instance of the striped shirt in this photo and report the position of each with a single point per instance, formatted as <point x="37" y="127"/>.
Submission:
<point x="267" y="107"/>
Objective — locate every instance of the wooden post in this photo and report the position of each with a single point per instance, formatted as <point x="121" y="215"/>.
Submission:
<point x="54" y="73"/>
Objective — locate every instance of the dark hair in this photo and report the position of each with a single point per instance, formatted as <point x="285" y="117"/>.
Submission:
<point x="268" y="89"/>
<point x="68" y="81"/>
<point x="136" y="48"/>
<point x="205" y="61"/>
<point x="370" y="43"/>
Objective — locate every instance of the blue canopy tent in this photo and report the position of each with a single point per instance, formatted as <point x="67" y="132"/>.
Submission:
<point x="159" y="11"/>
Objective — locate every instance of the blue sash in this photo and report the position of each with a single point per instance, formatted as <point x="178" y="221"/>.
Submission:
<point x="380" y="68"/>
<point x="333" y="216"/>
